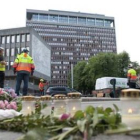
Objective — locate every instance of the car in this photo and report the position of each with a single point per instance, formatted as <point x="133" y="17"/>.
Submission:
<point x="59" y="90"/>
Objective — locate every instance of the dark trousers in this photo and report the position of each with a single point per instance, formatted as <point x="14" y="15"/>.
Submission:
<point x="132" y="85"/>
<point x="2" y="77"/>
<point x="42" y="92"/>
<point x="25" y="78"/>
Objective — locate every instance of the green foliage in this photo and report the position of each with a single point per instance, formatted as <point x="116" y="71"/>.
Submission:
<point x="101" y="65"/>
<point x="84" y="124"/>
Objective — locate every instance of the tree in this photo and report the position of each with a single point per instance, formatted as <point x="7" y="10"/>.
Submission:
<point x="123" y="61"/>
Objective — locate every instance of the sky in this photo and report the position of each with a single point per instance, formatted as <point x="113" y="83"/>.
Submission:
<point x="125" y="12"/>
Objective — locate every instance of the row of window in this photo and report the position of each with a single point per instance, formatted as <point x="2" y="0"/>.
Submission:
<point x="13" y="51"/>
<point x="71" y="28"/>
<point x="71" y="20"/>
<point x="15" y="38"/>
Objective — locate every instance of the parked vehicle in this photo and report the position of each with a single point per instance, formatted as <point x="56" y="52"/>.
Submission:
<point x="59" y="90"/>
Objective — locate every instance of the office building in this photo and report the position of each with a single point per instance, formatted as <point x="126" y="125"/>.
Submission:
<point x="73" y="37"/>
<point x="13" y="41"/>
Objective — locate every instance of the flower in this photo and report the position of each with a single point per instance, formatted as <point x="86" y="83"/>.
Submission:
<point x="6" y="102"/>
<point x="1" y="91"/>
<point x="64" y="116"/>
<point x="13" y="105"/>
<point x="2" y="105"/>
<point x="8" y="106"/>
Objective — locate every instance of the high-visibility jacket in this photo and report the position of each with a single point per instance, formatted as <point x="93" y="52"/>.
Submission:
<point x="2" y="66"/>
<point x="41" y="85"/>
<point x="24" y="62"/>
<point x="132" y="75"/>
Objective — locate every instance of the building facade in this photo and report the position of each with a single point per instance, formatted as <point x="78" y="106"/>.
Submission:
<point x="13" y="41"/>
<point x="73" y="37"/>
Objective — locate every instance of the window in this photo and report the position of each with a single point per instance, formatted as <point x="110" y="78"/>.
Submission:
<point x="7" y="52"/>
<point x="35" y="17"/>
<point x="28" y="37"/>
<point x="73" y="20"/>
<point x="8" y="39"/>
<point x="23" y="38"/>
<point x="81" y="21"/>
<point x="63" y="19"/>
<point x="12" y="51"/>
<point x="43" y="17"/>
<point x="90" y="21"/>
<point x="18" y="38"/>
<point x="53" y="18"/>
<point x="13" y="39"/>
<point x="17" y="51"/>
<point x="3" y="40"/>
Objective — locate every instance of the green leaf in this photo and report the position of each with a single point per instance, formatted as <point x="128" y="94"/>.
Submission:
<point x="116" y="108"/>
<point x="79" y="115"/>
<point x="108" y="110"/>
<point x="81" y="124"/>
<point x="89" y="110"/>
<point x="95" y="119"/>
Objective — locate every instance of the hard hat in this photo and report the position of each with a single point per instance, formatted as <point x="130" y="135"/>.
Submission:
<point x="130" y="66"/>
<point x="41" y="80"/>
<point x="1" y="48"/>
<point x="25" y="50"/>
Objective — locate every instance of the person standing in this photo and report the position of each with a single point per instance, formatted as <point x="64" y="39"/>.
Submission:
<point x="2" y="68"/>
<point x="132" y="76"/>
<point x="41" y="86"/>
<point x="24" y="66"/>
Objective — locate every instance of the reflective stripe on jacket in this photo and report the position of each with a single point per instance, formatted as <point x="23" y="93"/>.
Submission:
<point x="24" y="62"/>
<point x="2" y="67"/>
<point x="132" y="75"/>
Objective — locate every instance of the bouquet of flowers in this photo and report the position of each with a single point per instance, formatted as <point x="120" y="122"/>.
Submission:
<point x="7" y="94"/>
<point x="8" y="105"/>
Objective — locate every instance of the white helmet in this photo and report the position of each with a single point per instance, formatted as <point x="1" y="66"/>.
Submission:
<point x="130" y="66"/>
<point x="1" y="48"/>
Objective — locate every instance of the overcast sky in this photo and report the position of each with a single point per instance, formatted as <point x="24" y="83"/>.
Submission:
<point x="125" y="12"/>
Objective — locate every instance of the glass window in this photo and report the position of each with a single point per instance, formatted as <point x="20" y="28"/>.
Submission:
<point x="73" y="20"/>
<point x="99" y="22"/>
<point x="3" y="40"/>
<point x="11" y="63"/>
<point x="28" y="37"/>
<point x="81" y="20"/>
<point x="43" y="17"/>
<point x="17" y="51"/>
<point x="12" y="51"/>
<point x="35" y="17"/>
<point x="13" y="39"/>
<point x="28" y="48"/>
<point x="63" y="19"/>
<point x="23" y="38"/>
<point x="7" y="52"/>
<point x="8" y="39"/>
<point x="90" y="21"/>
<point x="18" y="38"/>
<point x="53" y="18"/>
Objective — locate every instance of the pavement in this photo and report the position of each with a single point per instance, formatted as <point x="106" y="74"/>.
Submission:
<point x="6" y="135"/>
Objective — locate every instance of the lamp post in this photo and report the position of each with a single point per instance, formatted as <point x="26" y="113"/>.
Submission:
<point x="72" y="75"/>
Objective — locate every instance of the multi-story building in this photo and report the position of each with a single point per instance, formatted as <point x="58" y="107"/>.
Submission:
<point x="73" y="37"/>
<point x="13" y="41"/>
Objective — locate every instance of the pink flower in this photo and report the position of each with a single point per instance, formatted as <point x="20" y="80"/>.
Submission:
<point x="2" y="105"/>
<point x="1" y="91"/>
<point x="8" y="106"/>
<point x="6" y="102"/>
<point x="64" y="116"/>
<point x="13" y="105"/>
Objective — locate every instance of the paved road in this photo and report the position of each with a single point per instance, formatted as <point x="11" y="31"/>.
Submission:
<point x="5" y="135"/>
